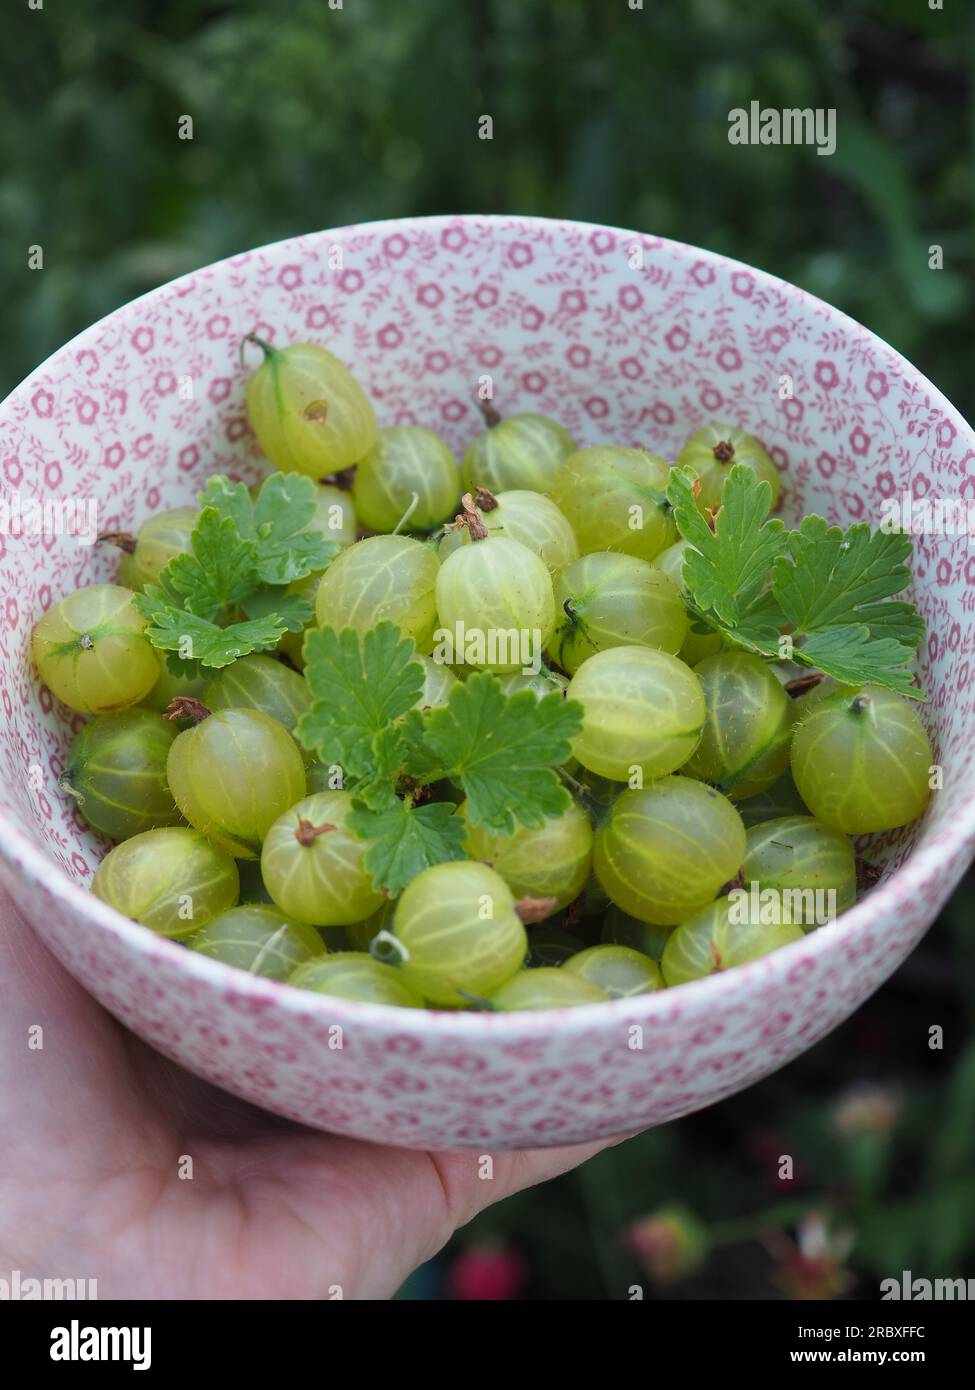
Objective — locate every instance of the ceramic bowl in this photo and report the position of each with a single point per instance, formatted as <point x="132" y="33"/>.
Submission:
<point x="624" y="338"/>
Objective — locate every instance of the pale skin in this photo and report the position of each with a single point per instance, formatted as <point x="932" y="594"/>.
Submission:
<point x="94" y="1127"/>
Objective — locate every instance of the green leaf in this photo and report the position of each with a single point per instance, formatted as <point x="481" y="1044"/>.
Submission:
<point x="853" y="656"/>
<point x="750" y="579"/>
<point x="360" y="685"/>
<point x="218" y="575"/>
<point x="831" y="578"/>
<point x="377" y="787"/>
<point x="727" y="571"/>
<point x="294" y="611"/>
<point x="405" y="840"/>
<point x="275" y="524"/>
<point x="280" y="562"/>
<point x="836" y="588"/>
<point x="419" y="760"/>
<point x="173" y="629"/>
<point x="503" y="749"/>
<point x="176" y="666"/>
<point x="231" y="500"/>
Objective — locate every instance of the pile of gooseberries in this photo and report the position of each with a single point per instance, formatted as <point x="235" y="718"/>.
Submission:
<point x="698" y="766"/>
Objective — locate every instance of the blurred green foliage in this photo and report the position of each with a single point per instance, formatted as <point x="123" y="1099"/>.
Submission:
<point x="307" y="116"/>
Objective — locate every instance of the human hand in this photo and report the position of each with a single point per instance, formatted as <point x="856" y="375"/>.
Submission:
<point x="95" y="1126"/>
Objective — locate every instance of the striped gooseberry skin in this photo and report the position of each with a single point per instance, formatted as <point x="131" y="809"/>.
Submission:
<point x="618" y="971"/>
<point x="459" y="931"/>
<point x="665" y="851"/>
<point x="861" y="759"/>
<point x="606" y="600"/>
<point x="642" y="709"/>
<point x="335" y="517"/>
<point x="712" y="468"/>
<point x="160" y="537"/>
<point x="614" y="500"/>
<point x="547" y="987"/>
<point x="360" y="935"/>
<point x="799" y="853"/>
<point x="258" y="682"/>
<point x="406" y="460"/>
<point x="697" y="645"/>
<point x="550" y="861"/>
<point x="496" y="586"/>
<point x="711" y="941"/>
<point x="292" y="643"/>
<point x="438" y="682"/>
<point x="171" y="880"/>
<point x="260" y="940"/>
<point x="233" y="774"/>
<point x="744" y="745"/>
<point x="383" y="578"/>
<point x="541" y="683"/>
<point x="116" y="771"/>
<point x="355" y="975"/>
<point x="323" y="882"/>
<point x="91" y="651"/>
<point x="522" y="451"/>
<point x="528" y="517"/>
<point x="309" y="413"/>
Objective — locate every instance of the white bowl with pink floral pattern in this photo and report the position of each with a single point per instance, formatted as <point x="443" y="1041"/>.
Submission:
<point x="625" y="338"/>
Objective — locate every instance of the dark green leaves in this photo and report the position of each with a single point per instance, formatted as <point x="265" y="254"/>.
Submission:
<point x="242" y="554"/>
<point x="829" y="591"/>
<point x="405" y="840"/>
<point x="360" y="687"/>
<point x="196" y="639"/>
<point x="503" y="751"/>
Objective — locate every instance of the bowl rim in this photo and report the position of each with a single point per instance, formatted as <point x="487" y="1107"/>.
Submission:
<point x="23" y="859"/>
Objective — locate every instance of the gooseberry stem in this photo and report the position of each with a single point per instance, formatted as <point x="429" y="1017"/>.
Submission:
<point x="578" y="789"/>
<point x="124" y="540"/>
<point x="471" y="518"/>
<point x="415" y="502"/>
<point x="807" y="681"/>
<point x="306" y="833"/>
<point x="388" y="949"/>
<point x="186" y="707"/>
<point x="64" y="782"/>
<point x="486" y="501"/>
<point x="492" y="416"/>
<point x="265" y="347"/>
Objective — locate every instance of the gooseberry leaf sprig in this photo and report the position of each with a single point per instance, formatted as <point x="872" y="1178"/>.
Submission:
<point x="365" y="718"/>
<point x="361" y="686"/>
<point x="503" y="750"/>
<point x="726" y="573"/>
<point x="243" y="552"/>
<point x="824" y="595"/>
<point x="274" y="524"/>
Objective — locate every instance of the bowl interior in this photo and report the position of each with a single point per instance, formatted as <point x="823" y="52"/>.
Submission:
<point x="622" y="337"/>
